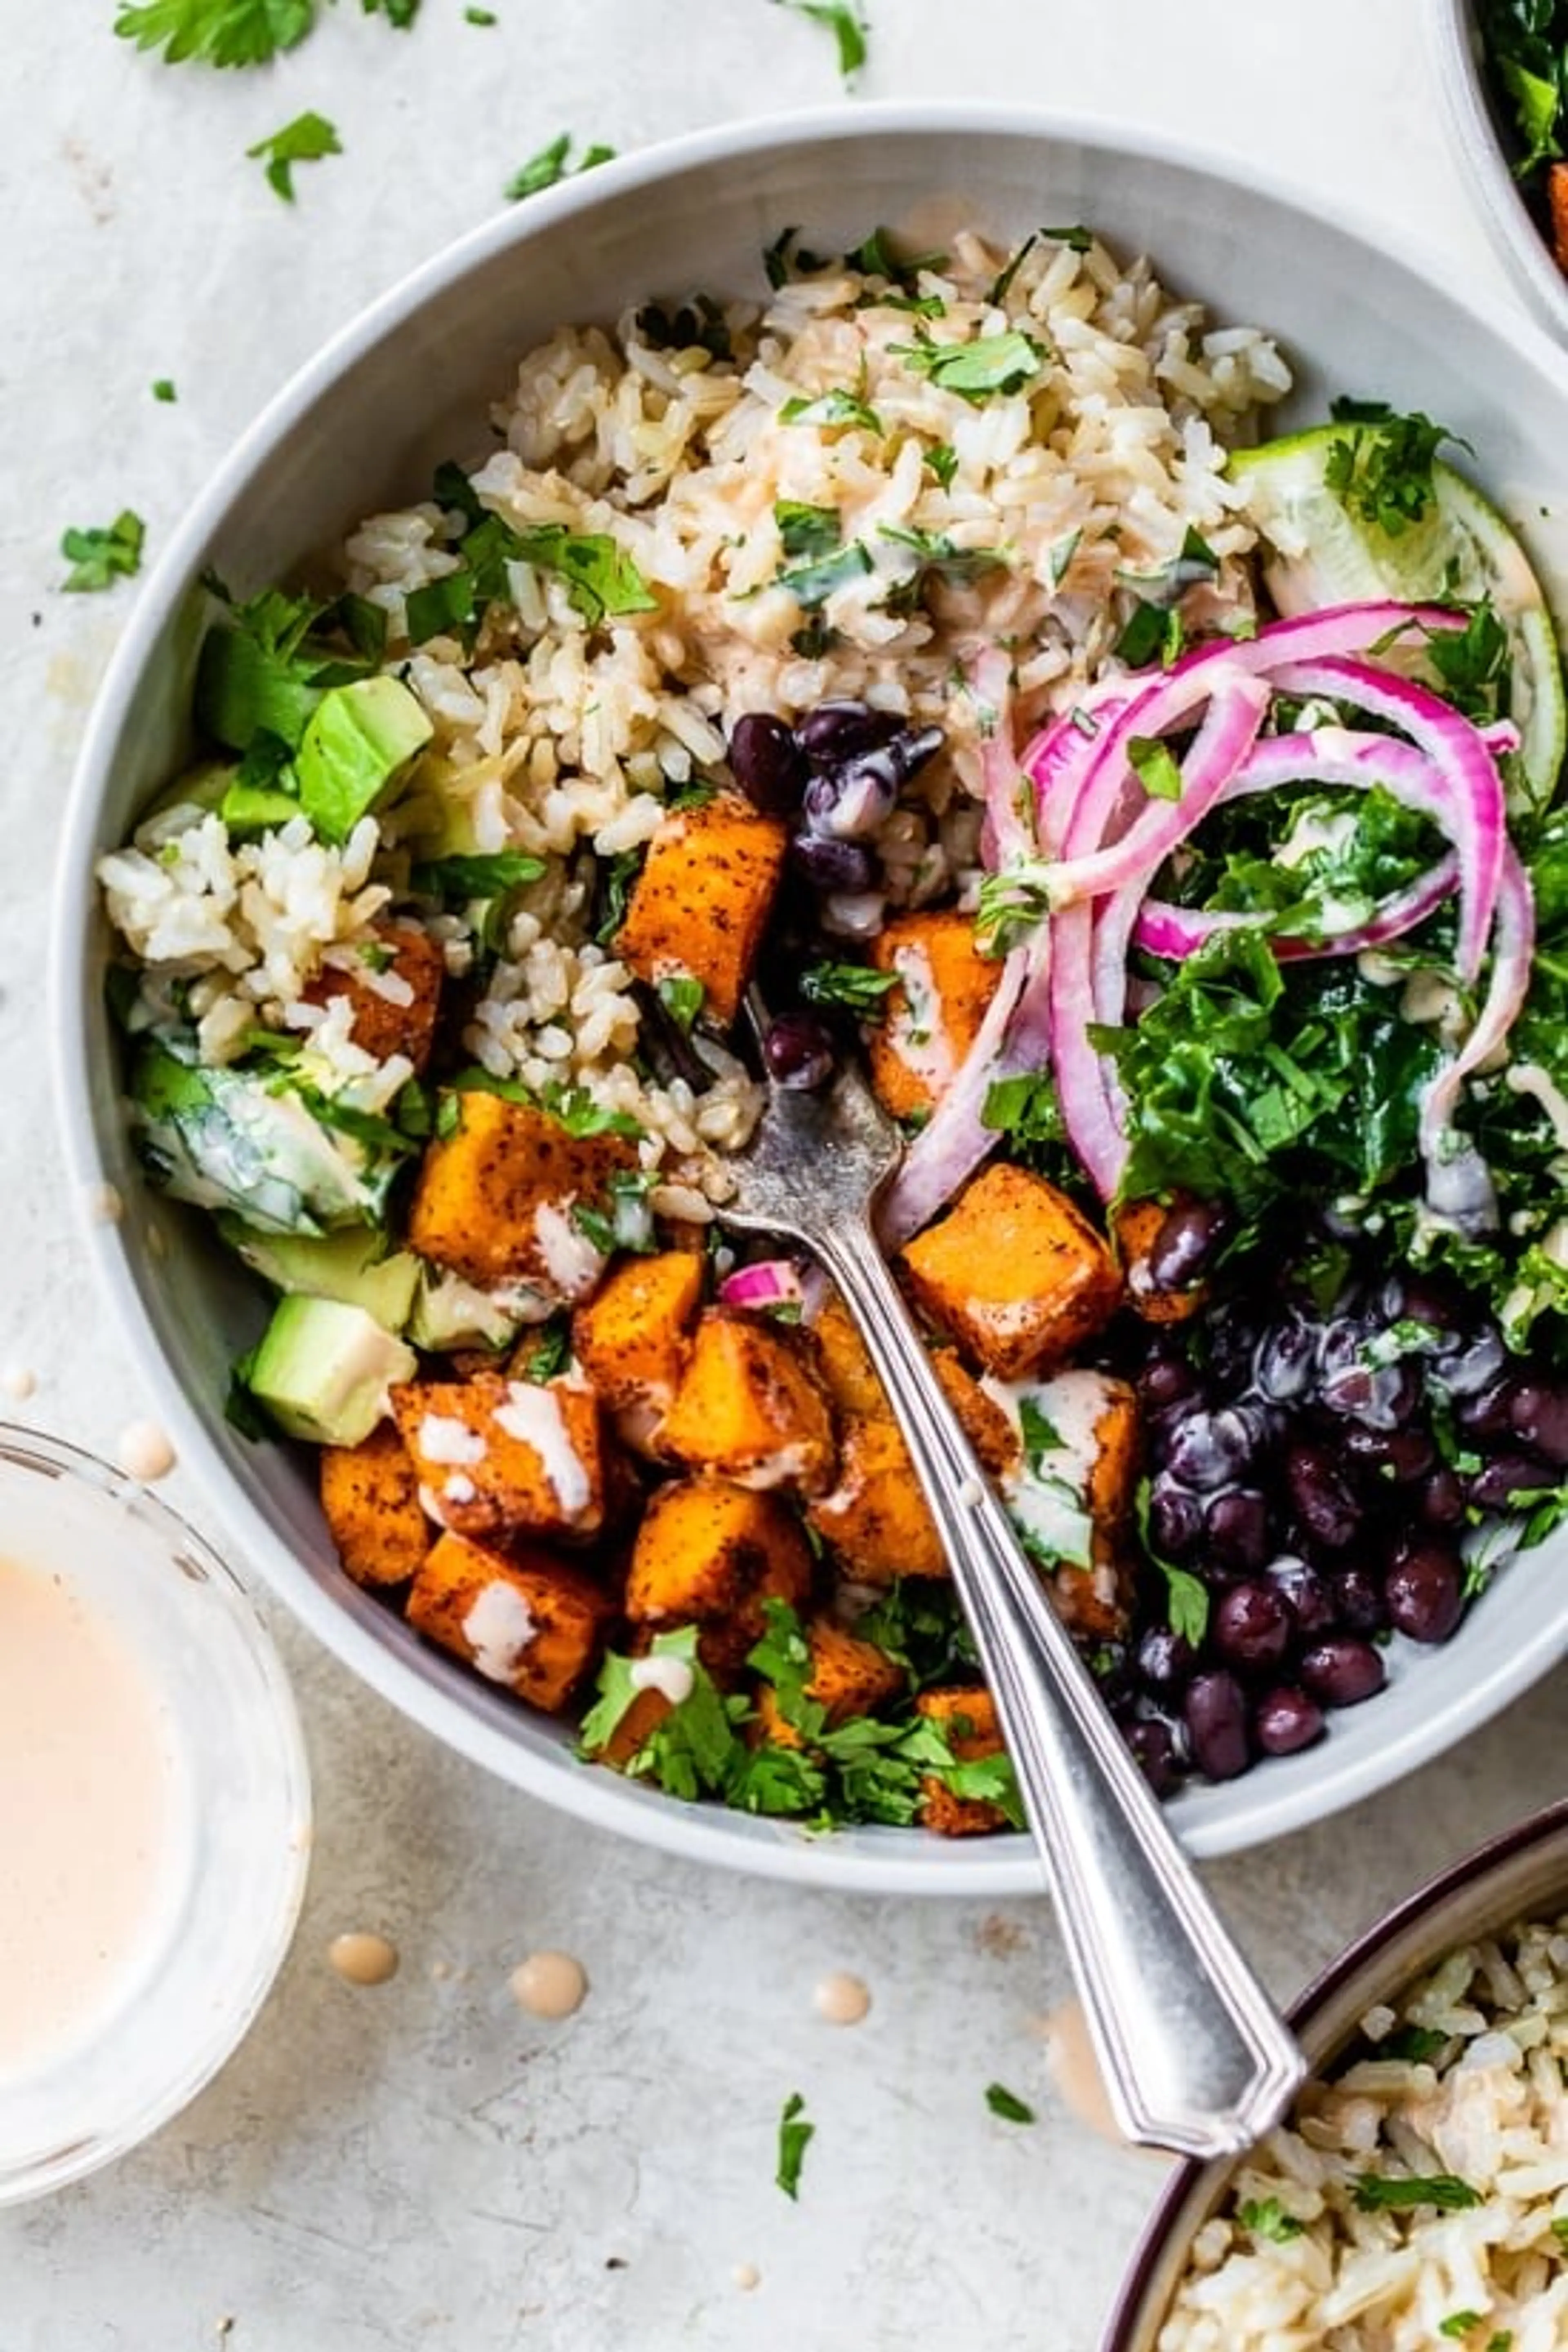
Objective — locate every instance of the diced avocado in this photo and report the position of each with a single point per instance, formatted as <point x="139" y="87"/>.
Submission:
<point x="253" y="808"/>
<point x="354" y="1266"/>
<point x="201" y="787"/>
<point x="451" y="1312"/>
<point x="358" y="743"/>
<point x="247" y="1141"/>
<point x="246" y="688"/>
<point x="322" y="1370"/>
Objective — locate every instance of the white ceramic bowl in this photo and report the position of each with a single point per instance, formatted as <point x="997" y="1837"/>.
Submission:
<point x="1517" y="1875"/>
<point x="226" y="1877"/>
<point x="407" y="386"/>
<point x="1486" y="145"/>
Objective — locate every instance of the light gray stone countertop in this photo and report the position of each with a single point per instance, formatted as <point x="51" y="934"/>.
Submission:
<point x="424" y="2166"/>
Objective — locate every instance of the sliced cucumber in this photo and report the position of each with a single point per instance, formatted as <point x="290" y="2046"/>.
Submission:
<point x="1460" y="549"/>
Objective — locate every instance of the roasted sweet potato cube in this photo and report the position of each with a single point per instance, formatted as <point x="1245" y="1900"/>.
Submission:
<point x="370" y="1499"/>
<point x="708" y="1553"/>
<point x="1557" y="205"/>
<point x="394" y="984"/>
<point x="633" y="1336"/>
<point x="499" y="1458"/>
<point x="848" y="1676"/>
<point x="847" y="1370"/>
<point x="644" y="1716"/>
<point x="1013" y="1273"/>
<point x="519" y="1617"/>
<point x="987" y="1427"/>
<point x="933" y="1017"/>
<point x="1135" y="1230"/>
<point x="751" y="1407"/>
<point x="699" y="906"/>
<point x="494" y="1198"/>
<point x="874" y="1520"/>
<point x="969" y="1718"/>
<point x="1091" y="1477"/>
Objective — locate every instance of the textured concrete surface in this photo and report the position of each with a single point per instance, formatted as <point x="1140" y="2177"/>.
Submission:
<point x="422" y="2165"/>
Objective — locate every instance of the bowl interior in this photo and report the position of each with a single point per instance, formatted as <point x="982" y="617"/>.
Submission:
<point x="1511" y="1878"/>
<point x="411" y="384"/>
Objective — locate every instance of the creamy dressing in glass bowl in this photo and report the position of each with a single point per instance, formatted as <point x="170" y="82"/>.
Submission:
<point x="154" y="1813"/>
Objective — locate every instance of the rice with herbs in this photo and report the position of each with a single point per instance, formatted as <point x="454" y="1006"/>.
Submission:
<point x="1022" y="510"/>
<point x="1417" y="2198"/>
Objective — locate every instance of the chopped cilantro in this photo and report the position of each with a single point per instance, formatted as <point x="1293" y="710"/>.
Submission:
<point x="835" y="407"/>
<point x="682" y="998"/>
<point x="553" y="164"/>
<point x="573" y="1108"/>
<point x="813" y="583"/>
<point x="1038" y="1432"/>
<point x="1414" y="2044"/>
<point x="843" y="19"/>
<point x="1003" y="280"/>
<point x="1153" y="632"/>
<point x="794" y="2137"/>
<point x="1007" y="2105"/>
<point x="1024" y="1107"/>
<point x="855" y="986"/>
<point x="545" y="1351"/>
<point x="304" y="140"/>
<point x="1460" y="2322"/>
<point x="99" y="557"/>
<point x="1154" y="765"/>
<point x="217" y="32"/>
<point x="480" y="16"/>
<point x="1381" y="468"/>
<point x="1186" y="1598"/>
<point x="1267" y="2218"/>
<point x="805" y="530"/>
<point x="476" y="877"/>
<point x="1474" y="663"/>
<point x="941" y="559"/>
<point x="163" y="390"/>
<point x="942" y="459"/>
<point x="616" y="883"/>
<point x="399" y="14"/>
<point x="1076" y="239"/>
<point x="874" y="257"/>
<point x="1377" y="2192"/>
<point x="601" y="578"/>
<point x="991" y="364"/>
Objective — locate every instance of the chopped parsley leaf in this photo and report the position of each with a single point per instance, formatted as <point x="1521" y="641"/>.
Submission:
<point x="843" y="19"/>
<point x="1267" y="2218"/>
<point x="1154" y="765"/>
<point x="163" y="390"/>
<point x="805" y="530"/>
<point x="857" y="986"/>
<point x="682" y="998"/>
<point x="1007" y="2105"/>
<point x="991" y="364"/>
<point x="217" y="32"/>
<point x="942" y="459"/>
<point x="813" y="583"/>
<point x="551" y="165"/>
<point x="794" y="2137"/>
<point x="480" y="16"/>
<point x="1377" y="2192"/>
<point x="304" y="140"/>
<point x="1076" y="239"/>
<point x="835" y="407"/>
<point x="99" y="557"/>
<point x="1381" y="468"/>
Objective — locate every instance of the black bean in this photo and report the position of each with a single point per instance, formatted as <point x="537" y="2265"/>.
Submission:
<point x="1430" y="1299"/>
<point x="849" y="803"/>
<point x="1252" y="1626"/>
<point x="1191" y="1233"/>
<point x="1357" y="1599"/>
<point x="1423" y="1590"/>
<point x="1341" y="1672"/>
<point x="1499" y="1482"/>
<point x="1286" y="1359"/>
<point x="1440" y="1503"/>
<point x="1306" y="1595"/>
<point x="1539" y="1415"/>
<point x="833" y="865"/>
<point x="767" y="762"/>
<point x="798" y="1050"/>
<point x="840" y="730"/>
<point x="1167" y="1381"/>
<point x="1205" y="1450"/>
<point x="1381" y="1396"/>
<point x="1323" y="1503"/>
<point x="1488" y="1412"/>
<point x="1165" y="1660"/>
<point x="1215" y="1716"/>
<point x="1401" y="1455"/>
<point x="1236" y="1529"/>
<point x="1175" y="1518"/>
<point x="1154" y="1750"/>
<point x="1471" y="1368"/>
<point x="1286" y="1720"/>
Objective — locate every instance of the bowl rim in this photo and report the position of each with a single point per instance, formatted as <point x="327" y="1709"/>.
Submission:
<point x="1451" y="34"/>
<point x="1454" y="1878"/>
<point x="847" y="1862"/>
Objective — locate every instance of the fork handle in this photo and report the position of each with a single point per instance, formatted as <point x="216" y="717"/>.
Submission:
<point x="1195" y="2056"/>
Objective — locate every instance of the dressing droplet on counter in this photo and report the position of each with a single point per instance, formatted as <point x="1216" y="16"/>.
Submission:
<point x="548" y="1984"/>
<point x="1075" y="2070"/>
<point x="841" y="1998"/>
<point x="145" y="1452"/>
<point x="746" y="2276"/>
<point x="17" y="1382"/>
<point x="361" y="1959"/>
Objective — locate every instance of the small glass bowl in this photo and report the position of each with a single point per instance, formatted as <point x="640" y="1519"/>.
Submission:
<point x="230" y="1874"/>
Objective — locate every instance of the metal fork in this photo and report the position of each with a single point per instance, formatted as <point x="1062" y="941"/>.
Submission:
<point x="1195" y="2056"/>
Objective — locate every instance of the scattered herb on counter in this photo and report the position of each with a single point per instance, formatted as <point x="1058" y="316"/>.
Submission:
<point x="552" y="164"/>
<point x="794" y="2135"/>
<point x="163" y="390"/>
<point x="399" y="14"/>
<point x="1267" y="2218"/>
<point x="217" y="32"/>
<point x="480" y="16"/>
<point x="844" y="20"/>
<point x="99" y="557"/>
<point x="1007" y="2105"/>
<point x="306" y="140"/>
<point x="1377" y="2193"/>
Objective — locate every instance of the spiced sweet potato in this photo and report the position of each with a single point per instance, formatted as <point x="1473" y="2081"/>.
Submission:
<point x="933" y="1017"/>
<point x="370" y="1499"/>
<point x="1013" y="1272"/>
<point x="751" y="1407"/>
<point x="708" y="1553"/>
<point x="501" y="1458"/>
<point x="874" y="1520"/>
<point x="392" y="982"/>
<point x="494" y="1198"/>
<point x="634" y="1336"/>
<point x="969" y="1718"/>
<point x="699" y="906"/>
<point x="521" y="1617"/>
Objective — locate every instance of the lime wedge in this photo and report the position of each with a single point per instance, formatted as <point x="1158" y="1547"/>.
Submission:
<point x="1460" y="550"/>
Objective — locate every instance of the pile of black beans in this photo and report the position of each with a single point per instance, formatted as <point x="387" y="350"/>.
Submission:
<point x="1315" y="1469"/>
<point x="834" y="776"/>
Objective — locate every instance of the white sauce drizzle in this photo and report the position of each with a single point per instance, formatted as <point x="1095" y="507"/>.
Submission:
<point x="672" y="1677"/>
<point x="498" y="1630"/>
<point x="1048" y="1501"/>
<point x="532" y="1414"/>
<point x="571" y="1261"/>
<point x="914" y="1030"/>
<point x="444" y="1439"/>
<point x="1313" y="833"/>
<point x="1529" y="1078"/>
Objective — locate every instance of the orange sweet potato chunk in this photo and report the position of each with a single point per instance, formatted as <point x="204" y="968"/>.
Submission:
<point x="494" y="1198"/>
<point x="500" y="1458"/>
<point x="847" y="1370"/>
<point x="634" y="1336"/>
<point x="1013" y="1273"/>
<point x="874" y="1520"/>
<point x="751" y="1407"/>
<point x="708" y="1553"/>
<point x="969" y="1718"/>
<point x="700" y="904"/>
<point x="847" y="1678"/>
<point x="520" y="1618"/>
<point x="370" y="1499"/>
<point x="394" y="987"/>
<point x="933" y="1017"/>
<point x="1557" y="205"/>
